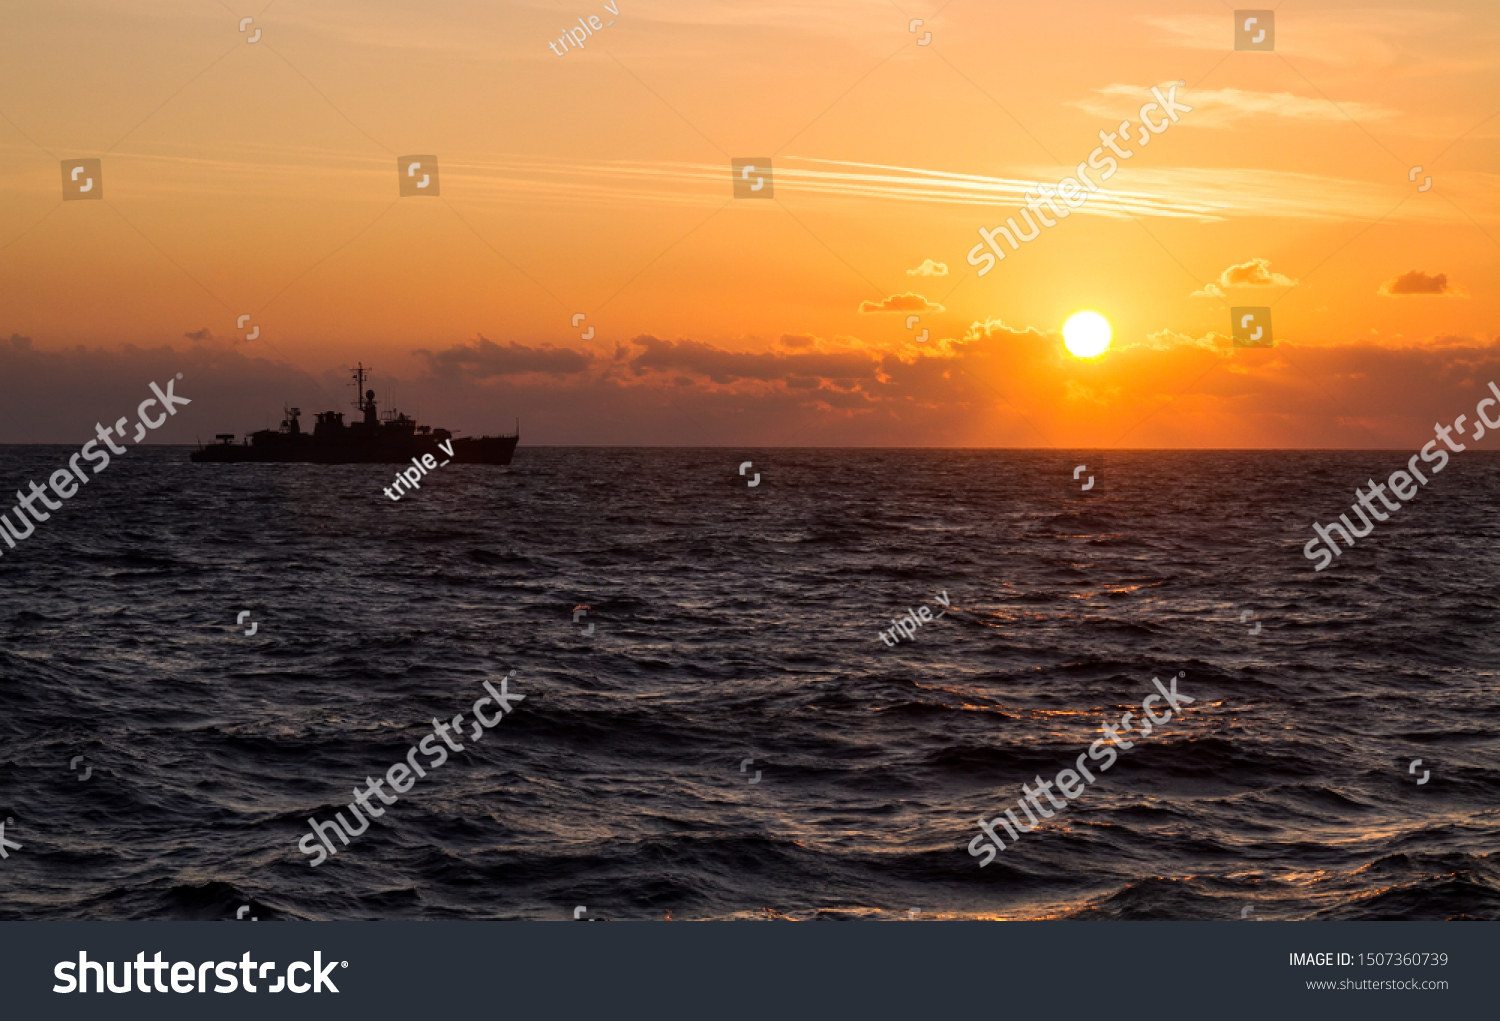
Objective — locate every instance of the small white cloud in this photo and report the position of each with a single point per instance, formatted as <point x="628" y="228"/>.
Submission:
<point x="910" y="302"/>
<point x="929" y="269"/>
<point x="1255" y="273"/>
<point x="981" y="329"/>
<point x="1418" y="283"/>
<point x="1166" y="339"/>
<point x="1226" y="108"/>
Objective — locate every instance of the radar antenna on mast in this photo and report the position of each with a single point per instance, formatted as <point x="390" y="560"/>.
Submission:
<point x="361" y="396"/>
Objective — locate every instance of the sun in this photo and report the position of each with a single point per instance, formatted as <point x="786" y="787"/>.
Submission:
<point x="1086" y="334"/>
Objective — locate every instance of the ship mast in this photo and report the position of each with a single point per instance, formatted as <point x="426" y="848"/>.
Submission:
<point x="366" y="398"/>
<point x="359" y="385"/>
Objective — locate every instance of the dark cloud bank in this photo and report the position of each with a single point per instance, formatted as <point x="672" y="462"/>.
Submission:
<point x="803" y="392"/>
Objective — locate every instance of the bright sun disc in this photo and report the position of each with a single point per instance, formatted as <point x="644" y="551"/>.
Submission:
<point x="1086" y="334"/>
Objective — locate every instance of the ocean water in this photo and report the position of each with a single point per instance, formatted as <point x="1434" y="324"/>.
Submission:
<point x="735" y="622"/>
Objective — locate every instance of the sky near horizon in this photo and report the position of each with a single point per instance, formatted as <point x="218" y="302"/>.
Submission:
<point x="261" y="178"/>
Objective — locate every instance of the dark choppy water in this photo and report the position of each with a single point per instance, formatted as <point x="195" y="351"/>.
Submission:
<point x="735" y="622"/>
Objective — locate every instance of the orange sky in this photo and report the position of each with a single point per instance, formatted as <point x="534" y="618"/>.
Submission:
<point x="261" y="178"/>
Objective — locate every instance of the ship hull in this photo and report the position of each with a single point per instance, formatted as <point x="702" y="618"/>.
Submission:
<point x="302" y="448"/>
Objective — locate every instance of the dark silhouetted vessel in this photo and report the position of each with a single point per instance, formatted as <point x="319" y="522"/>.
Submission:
<point x="390" y="439"/>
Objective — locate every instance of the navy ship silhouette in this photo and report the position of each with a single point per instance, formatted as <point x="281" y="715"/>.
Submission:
<point x="392" y="438"/>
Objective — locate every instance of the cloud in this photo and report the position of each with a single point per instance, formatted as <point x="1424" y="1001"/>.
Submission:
<point x="982" y="329"/>
<point x="886" y="183"/>
<point x="899" y="303"/>
<point x="1165" y="340"/>
<point x="997" y="385"/>
<point x="1226" y="108"/>
<point x="929" y="269"/>
<point x="725" y="367"/>
<point x="1397" y="43"/>
<point x="485" y="359"/>
<point x="1255" y="273"/>
<point x="58" y="395"/>
<point x="1204" y="194"/>
<point x="1418" y="283"/>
